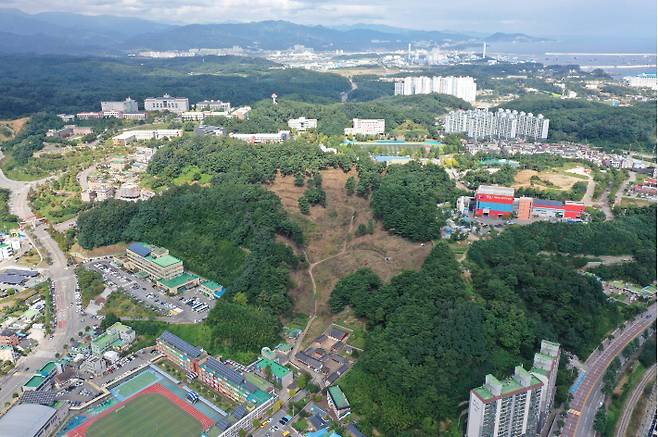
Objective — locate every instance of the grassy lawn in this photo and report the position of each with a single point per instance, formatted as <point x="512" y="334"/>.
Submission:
<point x="91" y="284"/>
<point x="191" y="175"/>
<point x="150" y="414"/>
<point x="125" y="307"/>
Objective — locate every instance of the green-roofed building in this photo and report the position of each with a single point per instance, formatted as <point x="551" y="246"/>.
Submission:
<point x="153" y="260"/>
<point x="34" y="383"/>
<point x="258" y="397"/>
<point x="519" y="404"/>
<point x="213" y="289"/>
<point x="48" y="369"/>
<point x="338" y="402"/>
<point x="279" y="374"/>
<point x="182" y="281"/>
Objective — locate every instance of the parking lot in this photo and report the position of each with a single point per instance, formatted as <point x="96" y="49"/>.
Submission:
<point x="177" y="309"/>
<point x="276" y="426"/>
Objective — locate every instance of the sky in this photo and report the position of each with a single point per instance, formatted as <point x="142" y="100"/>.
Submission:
<point x="596" y="18"/>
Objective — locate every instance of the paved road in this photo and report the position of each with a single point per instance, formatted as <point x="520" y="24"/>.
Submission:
<point x="68" y="319"/>
<point x="628" y="409"/>
<point x="587" y="397"/>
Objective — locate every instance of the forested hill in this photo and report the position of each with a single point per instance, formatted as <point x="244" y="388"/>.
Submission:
<point x="225" y="233"/>
<point x="66" y="84"/>
<point x="597" y="123"/>
<point x="433" y="336"/>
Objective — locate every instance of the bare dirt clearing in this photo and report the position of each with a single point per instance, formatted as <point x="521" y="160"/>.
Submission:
<point x="333" y="249"/>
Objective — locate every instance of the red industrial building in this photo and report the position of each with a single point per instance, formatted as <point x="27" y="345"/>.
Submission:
<point x="499" y="202"/>
<point x="493" y="201"/>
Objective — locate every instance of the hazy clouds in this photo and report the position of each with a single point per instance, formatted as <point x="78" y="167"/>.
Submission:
<point x="609" y="18"/>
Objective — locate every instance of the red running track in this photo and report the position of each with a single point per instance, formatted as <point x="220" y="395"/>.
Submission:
<point x="205" y="421"/>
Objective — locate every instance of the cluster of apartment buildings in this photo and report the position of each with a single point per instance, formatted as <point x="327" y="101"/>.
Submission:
<point x="499" y="202"/>
<point x="224" y="378"/>
<point x="463" y="87"/>
<point x="519" y="405"/>
<point x="503" y="124"/>
<point x="166" y="270"/>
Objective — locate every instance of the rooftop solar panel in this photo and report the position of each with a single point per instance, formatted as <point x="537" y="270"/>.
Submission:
<point x="139" y="249"/>
<point x="180" y="344"/>
<point x="225" y="371"/>
<point x="21" y="272"/>
<point x="12" y="279"/>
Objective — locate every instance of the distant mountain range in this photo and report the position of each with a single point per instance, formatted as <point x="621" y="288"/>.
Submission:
<point x="65" y="33"/>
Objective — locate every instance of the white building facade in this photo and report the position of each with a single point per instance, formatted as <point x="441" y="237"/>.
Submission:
<point x="505" y="408"/>
<point x="302" y="123"/>
<point x="167" y="103"/>
<point x="366" y="126"/>
<point x="463" y="87"/>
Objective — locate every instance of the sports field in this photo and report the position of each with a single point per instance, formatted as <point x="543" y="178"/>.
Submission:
<point x="154" y="411"/>
<point x="135" y="385"/>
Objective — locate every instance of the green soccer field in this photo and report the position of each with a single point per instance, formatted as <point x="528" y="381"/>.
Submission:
<point x="148" y="415"/>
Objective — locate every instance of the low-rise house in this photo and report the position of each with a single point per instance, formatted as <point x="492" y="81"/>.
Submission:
<point x="338" y="402"/>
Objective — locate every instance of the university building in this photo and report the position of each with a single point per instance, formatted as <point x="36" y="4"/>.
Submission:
<point x="167" y="103"/>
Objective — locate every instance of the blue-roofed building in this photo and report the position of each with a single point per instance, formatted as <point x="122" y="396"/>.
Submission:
<point x="140" y="249"/>
<point x="179" y="351"/>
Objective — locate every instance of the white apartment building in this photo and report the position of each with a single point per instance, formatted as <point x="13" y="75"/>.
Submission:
<point x="366" y="126"/>
<point x="507" y="408"/>
<point x="518" y="406"/>
<point x="302" y="123"/>
<point x="544" y="368"/>
<point x="126" y="106"/>
<point x="260" y="138"/>
<point x="503" y="124"/>
<point x="213" y="105"/>
<point x="128" y="137"/>
<point x="463" y="87"/>
<point x="167" y="103"/>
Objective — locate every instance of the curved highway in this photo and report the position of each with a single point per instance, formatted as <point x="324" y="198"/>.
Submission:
<point x="584" y="404"/>
<point x="63" y="278"/>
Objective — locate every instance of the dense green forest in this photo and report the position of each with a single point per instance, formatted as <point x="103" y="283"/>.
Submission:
<point x="427" y="346"/>
<point x="71" y="84"/>
<point x="225" y="233"/>
<point x="407" y="197"/>
<point x="597" y="123"/>
<point x="333" y="118"/>
<point x="225" y="159"/>
<point x="433" y="336"/>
